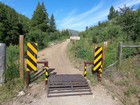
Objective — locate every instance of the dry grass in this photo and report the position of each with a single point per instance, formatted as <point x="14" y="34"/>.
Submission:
<point x="124" y="82"/>
<point x="10" y="90"/>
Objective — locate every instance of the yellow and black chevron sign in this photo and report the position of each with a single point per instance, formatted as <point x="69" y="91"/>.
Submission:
<point x="98" y="58"/>
<point x="32" y="56"/>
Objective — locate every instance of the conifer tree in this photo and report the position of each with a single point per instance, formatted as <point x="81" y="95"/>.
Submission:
<point x="112" y="13"/>
<point x="52" y="23"/>
<point x="40" y="18"/>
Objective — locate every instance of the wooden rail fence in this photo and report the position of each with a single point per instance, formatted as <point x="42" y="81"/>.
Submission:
<point x="121" y="46"/>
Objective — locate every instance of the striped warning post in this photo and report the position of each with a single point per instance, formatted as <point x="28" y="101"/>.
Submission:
<point x="85" y="71"/>
<point x="32" y="56"/>
<point x="98" y="58"/>
<point x="98" y="61"/>
<point x="47" y="74"/>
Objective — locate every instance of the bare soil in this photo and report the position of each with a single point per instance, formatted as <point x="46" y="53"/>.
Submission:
<point x="58" y="60"/>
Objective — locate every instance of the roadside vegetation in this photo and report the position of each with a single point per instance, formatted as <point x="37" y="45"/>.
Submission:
<point x="122" y="26"/>
<point x="41" y="28"/>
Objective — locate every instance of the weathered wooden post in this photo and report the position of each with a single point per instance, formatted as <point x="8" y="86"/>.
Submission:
<point x="75" y="38"/>
<point x="75" y="47"/>
<point x="21" y="55"/>
<point x="104" y="52"/>
<point x="119" y="53"/>
<point x="2" y="62"/>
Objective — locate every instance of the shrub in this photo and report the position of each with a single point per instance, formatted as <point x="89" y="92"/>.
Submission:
<point x="54" y="36"/>
<point x="81" y="53"/>
<point x="39" y="37"/>
<point x="12" y="68"/>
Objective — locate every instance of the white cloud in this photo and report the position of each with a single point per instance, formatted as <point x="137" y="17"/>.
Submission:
<point x="92" y="16"/>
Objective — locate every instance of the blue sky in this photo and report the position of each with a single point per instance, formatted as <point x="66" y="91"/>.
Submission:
<point x="72" y="14"/>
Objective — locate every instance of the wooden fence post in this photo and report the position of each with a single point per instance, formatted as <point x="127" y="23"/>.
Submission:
<point x="104" y="52"/>
<point x="75" y="47"/>
<point x="120" y="52"/>
<point x="21" y="55"/>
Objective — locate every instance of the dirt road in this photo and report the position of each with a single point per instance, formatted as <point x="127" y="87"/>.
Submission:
<point x="56" y="55"/>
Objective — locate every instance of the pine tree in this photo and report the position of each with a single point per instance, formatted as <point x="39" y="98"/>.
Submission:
<point x="112" y="13"/>
<point x="117" y="13"/>
<point x="52" y="23"/>
<point x="45" y="12"/>
<point x="40" y="18"/>
<point x="86" y="28"/>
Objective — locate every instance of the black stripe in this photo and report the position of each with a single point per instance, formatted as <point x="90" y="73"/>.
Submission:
<point x="98" y="54"/>
<point x="97" y="48"/>
<point x="34" y="63"/>
<point x="32" y="52"/>
<point x="98" y="61"/>
<point x="34" y="45"/>
<point x="47" y="76"/>
<point x="29" y="67"/>
<point x="84" y="75"/>
<point x="98" y="68"/>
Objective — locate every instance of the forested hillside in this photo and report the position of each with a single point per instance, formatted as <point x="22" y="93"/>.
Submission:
<point x="122" y="26"/>
<point x="40" y="28"/>
<point x="11" y="25"/>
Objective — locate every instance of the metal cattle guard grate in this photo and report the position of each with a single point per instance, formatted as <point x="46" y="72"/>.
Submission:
<point x="67" y="85"/>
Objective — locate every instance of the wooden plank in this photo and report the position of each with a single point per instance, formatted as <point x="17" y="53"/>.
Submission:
<point x="131" y="46"/>
<point x="75" y="38"/>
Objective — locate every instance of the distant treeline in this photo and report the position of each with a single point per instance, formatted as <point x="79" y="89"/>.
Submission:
<point x="40" y="28"/>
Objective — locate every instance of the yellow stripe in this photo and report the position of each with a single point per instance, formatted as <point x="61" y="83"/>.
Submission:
<point x="97" y="66"/>
<point x="46" y="79"/>
<point x="100" y="70"/>
<point x="85" y="67"/>
<point x="84" y="77"/>
<point x="46" y="73"/>
<point x="32" y="48"/>
<point x="98" y="51"/>
<point x="97" y="59"/>
<point x="27" y="69"/>
<point x="85" y="72"/>
<point x="31" y="65"/>
<point x="100" y="75"/>
<point x="36" y="44"/>
<point x="46" y="68"/>
<point x="31" y="56"/>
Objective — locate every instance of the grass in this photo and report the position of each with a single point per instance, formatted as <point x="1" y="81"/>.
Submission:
<point x="10" y="89"/>
<point x="125" y="80"/>
<point x="92" y="78"/>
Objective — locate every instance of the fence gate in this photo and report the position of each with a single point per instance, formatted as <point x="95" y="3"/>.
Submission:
<point x="68" y="85"/>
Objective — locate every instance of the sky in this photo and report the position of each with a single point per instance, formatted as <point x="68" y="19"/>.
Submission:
<point x="72" y="14"/>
